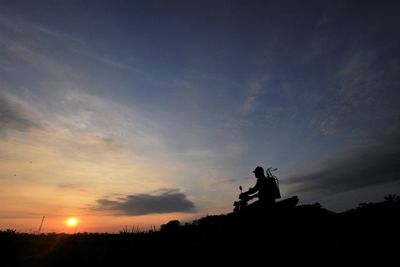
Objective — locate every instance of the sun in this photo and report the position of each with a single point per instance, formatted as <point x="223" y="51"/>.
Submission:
<point x="72" y="221"/>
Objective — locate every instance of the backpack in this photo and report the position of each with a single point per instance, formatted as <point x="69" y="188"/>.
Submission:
<point x="274" y="185"/>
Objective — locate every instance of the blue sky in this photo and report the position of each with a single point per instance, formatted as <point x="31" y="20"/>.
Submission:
<point x="120" y="102"/>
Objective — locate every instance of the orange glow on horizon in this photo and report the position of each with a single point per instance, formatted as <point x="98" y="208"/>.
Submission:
<point x="94" y="223"/>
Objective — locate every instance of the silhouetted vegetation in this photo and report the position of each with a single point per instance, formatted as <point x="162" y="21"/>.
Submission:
<point x="297" y="234"/>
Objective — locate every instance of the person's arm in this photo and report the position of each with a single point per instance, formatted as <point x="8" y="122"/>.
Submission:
<point x="254" y="189"/>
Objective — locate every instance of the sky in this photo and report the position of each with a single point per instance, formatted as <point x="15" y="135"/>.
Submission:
<point x="134" y="113"/>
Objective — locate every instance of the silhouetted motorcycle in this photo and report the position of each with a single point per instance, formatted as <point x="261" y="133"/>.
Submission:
<point x="242" y="203"/>
<point x="244" y="198"/>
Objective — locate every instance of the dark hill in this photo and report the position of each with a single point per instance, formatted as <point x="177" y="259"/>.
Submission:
<point x="302" y="233"/>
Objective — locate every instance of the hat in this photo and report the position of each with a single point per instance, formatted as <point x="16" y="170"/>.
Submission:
<point x="259" y="169"/>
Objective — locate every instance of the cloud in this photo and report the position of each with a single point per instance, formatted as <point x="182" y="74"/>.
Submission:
<point x="168" y="201"/>
<point x="37" y="59"/>
<point x="71" y="186"/>
<point x="14" y="114"/>
<point x="26" y="40"/>
<point x="328" y="126"/>
<point x="109" y="61"/>
<point x="255" y="90"/>
<point x="370" y="164"/>
<point x="24" y="43"/>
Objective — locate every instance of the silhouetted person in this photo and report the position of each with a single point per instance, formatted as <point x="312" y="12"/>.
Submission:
<point x="264" y="189"/>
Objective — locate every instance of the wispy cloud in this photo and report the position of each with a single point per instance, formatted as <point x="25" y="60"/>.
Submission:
<point x="256" y="89"/>
<point x="55" y="34"/>
<point x="29" y="41"/>
<point x="139" y="204"/>
<point x="15" y="114"/>
<point x="71" y="186"/>
<point x="109" y="61"/>
<point x="27" y="50"/>
<point x="329" y="125"/>
<point x="25" y="41"/>
<point x="359" y="94"/>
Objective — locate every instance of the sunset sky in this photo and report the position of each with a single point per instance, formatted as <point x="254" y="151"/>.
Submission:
<point x="140" y="112"/>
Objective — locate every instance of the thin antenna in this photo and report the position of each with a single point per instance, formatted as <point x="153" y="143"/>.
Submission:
<point x="41" y="224"/>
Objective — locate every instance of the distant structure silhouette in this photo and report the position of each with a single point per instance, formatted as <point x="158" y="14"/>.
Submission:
<point x="41" y="225"/>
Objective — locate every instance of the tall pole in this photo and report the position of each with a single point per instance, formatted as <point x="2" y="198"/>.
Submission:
<point x="41" y="224"/>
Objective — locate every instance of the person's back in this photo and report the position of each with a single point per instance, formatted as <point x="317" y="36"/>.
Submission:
<point x="265" y="188"/>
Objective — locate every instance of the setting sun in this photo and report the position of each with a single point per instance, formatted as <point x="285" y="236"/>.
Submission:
<point x="72" y="221"/>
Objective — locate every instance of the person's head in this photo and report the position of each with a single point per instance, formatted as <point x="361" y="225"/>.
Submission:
<point x="259" y="172"/>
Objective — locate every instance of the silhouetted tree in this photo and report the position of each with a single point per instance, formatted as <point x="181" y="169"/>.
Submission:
<point x="171" y="225"/>
<point x="393" y="199"/>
